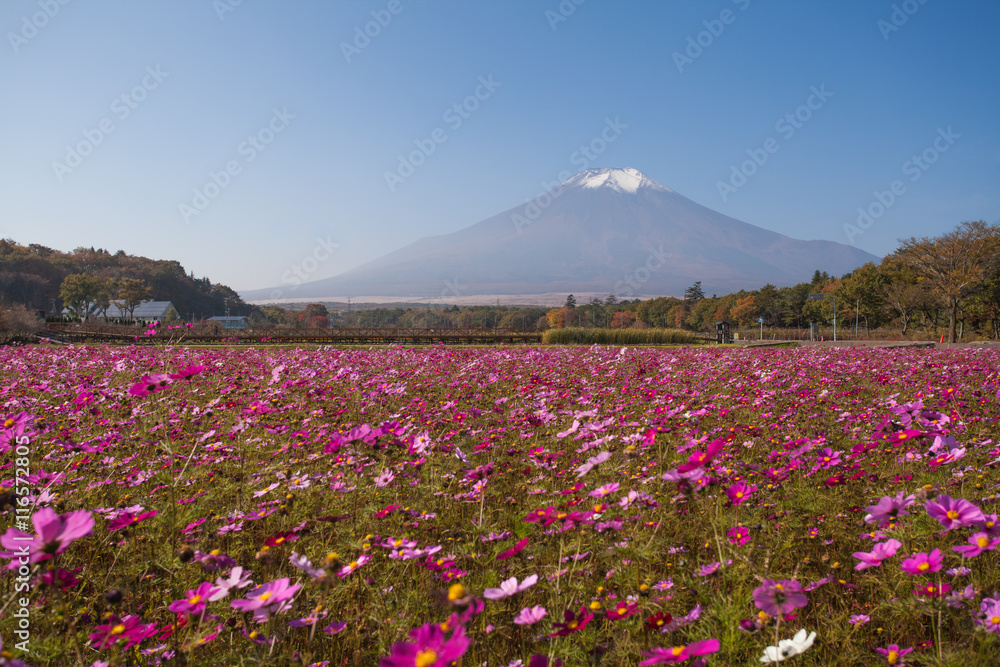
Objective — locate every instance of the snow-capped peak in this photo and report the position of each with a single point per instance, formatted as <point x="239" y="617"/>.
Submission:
<point x="620" y="180"/>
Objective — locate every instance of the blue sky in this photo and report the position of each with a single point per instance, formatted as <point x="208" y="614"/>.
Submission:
<point x="160" y="96"/>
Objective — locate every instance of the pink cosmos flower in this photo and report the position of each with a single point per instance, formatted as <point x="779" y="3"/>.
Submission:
<point x="889" y="508"/>
<point x="779" y="597"/>
<point x="739" y="492"/>
<point x="195" y="601"/>
<point x="879" y="553"/>
<point x="954" y="513"/>
<point x="664" y="656"/>
<point x="622" y="610"/>
<point x="894" y="655"/>
<point x="510" y="587"/>
<point x="738" y="535"/>
<point x="514" y="550"/>
<point x="530" y="615"/>
<point x="129" y="629"/>
<point x="126" y="519"/>
<point x="53" y="535"/>
<point x="700" y="459"/>
<point x="989" y="612"/>
<point x="14" y="428"/>
<point x="978" y="543"/>
<point x="187" y="372"/>
<point x="150" y="384"/>
<point x="274" y="597"/>
<point x="353" y="565"/>
<point x="238" y="578"/>
<point x="604" y="490"/>
<point x="922" y="563"/>
<point x="429" y="648"/>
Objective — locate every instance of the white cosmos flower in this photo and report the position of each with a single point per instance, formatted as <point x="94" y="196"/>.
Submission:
<point x="788" y="648"/>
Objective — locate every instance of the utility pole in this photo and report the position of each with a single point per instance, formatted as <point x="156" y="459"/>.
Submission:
<point x="835" y="319"/>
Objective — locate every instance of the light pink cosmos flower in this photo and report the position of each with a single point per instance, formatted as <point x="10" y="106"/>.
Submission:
<point x="888" y="508"/>
<point x="353" y="565"/>
<point x="879" y="553"/>
<point x="53" y="535"/>
<point x="510" y="587"/>
<point x="530" y="615"/>
<point x="922" y="563"/>
<point x="264" y="601"/>
<point x="238" y="578"/>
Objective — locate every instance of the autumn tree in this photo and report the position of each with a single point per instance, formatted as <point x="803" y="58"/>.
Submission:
<point x="623" y="319"/>
<point x="128" y="294"/>
<point x="745" y="310"/>
<point x="957" y="265"/>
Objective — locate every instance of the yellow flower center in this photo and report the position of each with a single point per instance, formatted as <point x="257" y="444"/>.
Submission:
<point x="397" y="542"/>
<point x="118" y="629"/>
<point x="923" y="567"/>
<point x="426" y="658"/>
<point x="572" y="625"/>
<point x="214" y="552"/>
<point x="892" y="658"/>
<point x="952" y="514"/>
<point x="621" y="611"/>
<point x="195" y="599"/>
<point x="456" y="592"/>
<point x="353" y="564"/>
<point x="8" y="423"/>
<point x="995" y="620"/>
<point x="739" y="494"/>
<point x="779" y="587"/>
<point x="265" y="596"/>
<point x="983" y="542"/>
<point x="677" y="650"/>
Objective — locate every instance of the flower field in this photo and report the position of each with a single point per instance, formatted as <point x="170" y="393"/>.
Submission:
<point x="499" y="506"/>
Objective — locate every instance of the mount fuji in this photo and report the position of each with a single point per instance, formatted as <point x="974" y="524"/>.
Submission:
<point x="603" y="231"/>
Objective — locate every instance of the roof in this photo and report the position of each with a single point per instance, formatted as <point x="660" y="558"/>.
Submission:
<point x="144" y="309"/>
<point x="229" y="318"/>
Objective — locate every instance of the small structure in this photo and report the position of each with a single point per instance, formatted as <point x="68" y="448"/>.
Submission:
<point x="723" y="332"/>
<point x="145" y="312"/>
<point x="228" y="321"/>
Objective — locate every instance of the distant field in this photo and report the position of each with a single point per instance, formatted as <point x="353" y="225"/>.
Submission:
<point x="417" y="506"/>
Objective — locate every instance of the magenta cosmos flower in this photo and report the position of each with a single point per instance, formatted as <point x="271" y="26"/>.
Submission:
<point x="195" y="601"/>
<point x="514" y="550"/>
<point x="126" y="519"/>
<point x="922" y="563"/>
<point x="779" y="597"/>
<point x="738" y="535"/>
<point x="572" y="622"/>
<point x="150" y="384"/>
<point x="878" y="554"/>
<point x="429" y="648"/>
<point x="739" y="492"/>
<point x="664" y="656"/>
<point x="53" y="535"/>
<point x="130" y="629"/>
<point x="954" y="513"/>
<point x="893" y="654"/>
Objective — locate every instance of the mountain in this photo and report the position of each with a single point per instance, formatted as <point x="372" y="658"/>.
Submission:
<point x="606" y="231"/>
